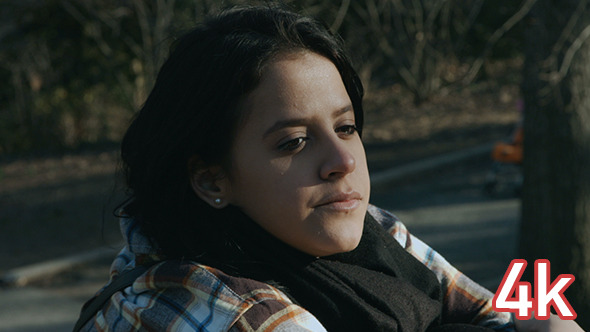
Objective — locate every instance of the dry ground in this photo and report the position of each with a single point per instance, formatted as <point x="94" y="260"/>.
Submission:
<point x="59" y="205"/>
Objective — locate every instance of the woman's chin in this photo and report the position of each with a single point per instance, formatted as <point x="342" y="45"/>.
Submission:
<point x="344" y="243"/>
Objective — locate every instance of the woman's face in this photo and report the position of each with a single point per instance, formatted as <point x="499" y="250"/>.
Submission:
<point x="299" y="166"/>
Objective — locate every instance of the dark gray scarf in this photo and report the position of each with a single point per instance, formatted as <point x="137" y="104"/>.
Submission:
<point x="376" y="287"/>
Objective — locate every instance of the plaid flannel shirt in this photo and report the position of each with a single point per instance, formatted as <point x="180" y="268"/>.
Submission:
<point x="187" y="296"/>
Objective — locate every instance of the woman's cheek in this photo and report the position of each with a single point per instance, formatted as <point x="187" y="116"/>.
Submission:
<point x="279" y="166"/>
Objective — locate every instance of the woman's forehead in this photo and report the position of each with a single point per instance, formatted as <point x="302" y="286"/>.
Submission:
<point x="297" y="83"/>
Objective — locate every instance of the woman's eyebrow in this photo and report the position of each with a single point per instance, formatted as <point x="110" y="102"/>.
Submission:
<point x="343" y="110"/>
<point x="301" y="121"/>
<point x="284" y="124"/>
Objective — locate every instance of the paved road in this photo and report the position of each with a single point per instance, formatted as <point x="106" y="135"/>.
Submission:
<point x="447" y="209"/>
<point x="54" y="306"/>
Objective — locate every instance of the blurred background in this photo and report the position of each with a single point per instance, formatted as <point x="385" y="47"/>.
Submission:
<point x="441" y="76"/>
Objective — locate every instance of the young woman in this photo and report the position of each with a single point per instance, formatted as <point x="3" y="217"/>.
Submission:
<point x="249" y="198"/>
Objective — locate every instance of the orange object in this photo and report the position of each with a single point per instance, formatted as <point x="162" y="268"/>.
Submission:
<point x="510" y="152"/>
<point x="518" y="136"/>
<point x="507" y="153"/>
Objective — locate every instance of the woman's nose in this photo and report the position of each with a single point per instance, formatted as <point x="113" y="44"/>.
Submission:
<point x="338" y="161"/>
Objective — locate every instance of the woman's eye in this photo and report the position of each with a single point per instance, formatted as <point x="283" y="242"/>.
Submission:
<point x="347" y="130"/>
<point x="293" y="144"/>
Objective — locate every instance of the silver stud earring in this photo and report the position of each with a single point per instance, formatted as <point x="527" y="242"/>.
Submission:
<point x="218" y="201"/>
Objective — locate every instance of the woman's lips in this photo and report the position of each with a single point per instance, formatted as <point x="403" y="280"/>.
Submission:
<point x="341" y="202"/>
<point x="346" y="205"/>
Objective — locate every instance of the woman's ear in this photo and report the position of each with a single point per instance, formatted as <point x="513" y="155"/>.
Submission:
<point x="210" y="183"/>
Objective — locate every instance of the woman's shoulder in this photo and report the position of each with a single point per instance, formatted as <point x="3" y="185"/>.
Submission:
<point x="391" y="224"/>
<point x="252" y="304"/>
<point x="205" y="281"/>
<point x="183" y="294"/>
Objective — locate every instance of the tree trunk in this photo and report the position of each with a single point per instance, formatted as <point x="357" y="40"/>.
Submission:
<point x="556" y="192"/>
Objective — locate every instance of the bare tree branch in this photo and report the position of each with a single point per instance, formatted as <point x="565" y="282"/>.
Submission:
<point x="511" y="22"/>
<point x="463" y="28"/>
<point x="557" y="76"/>
<point x="473" y="14"/>
<point x="95" y="31"/>
<point x="567" y="31"/>
<point x="340" y="15"/>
